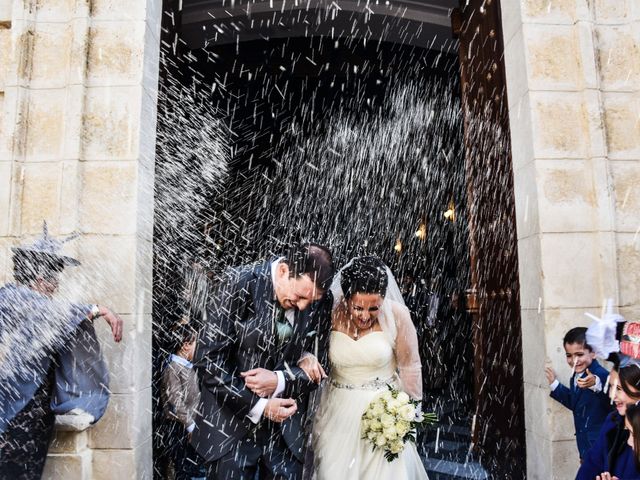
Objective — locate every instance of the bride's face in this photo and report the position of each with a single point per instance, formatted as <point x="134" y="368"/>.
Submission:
<point x="363" y="309"/>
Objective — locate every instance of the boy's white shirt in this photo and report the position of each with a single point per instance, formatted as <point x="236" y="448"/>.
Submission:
<point x="597" y="387"/>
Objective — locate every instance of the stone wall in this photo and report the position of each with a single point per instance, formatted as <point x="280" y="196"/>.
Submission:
<point x="573" y="75"/>
<point x="78" y="81"/>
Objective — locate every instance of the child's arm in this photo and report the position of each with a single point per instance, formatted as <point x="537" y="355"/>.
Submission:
<point x="558" y="391"/>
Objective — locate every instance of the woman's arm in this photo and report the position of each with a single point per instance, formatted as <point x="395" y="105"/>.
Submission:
<point x="407" y="353"/>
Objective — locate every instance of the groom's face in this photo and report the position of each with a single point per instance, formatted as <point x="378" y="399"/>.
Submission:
<point x="294" y="292"/>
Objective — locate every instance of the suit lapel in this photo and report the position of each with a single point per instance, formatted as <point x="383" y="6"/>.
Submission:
<point x="265" y="307"/>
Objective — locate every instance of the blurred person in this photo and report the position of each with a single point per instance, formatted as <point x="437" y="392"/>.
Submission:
<point x="612" y="455"/>
<point x="180" y="396"/>
<point x="50" y="360"/>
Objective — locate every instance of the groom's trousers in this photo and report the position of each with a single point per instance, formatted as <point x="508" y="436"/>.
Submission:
<point x="262" y="450"/>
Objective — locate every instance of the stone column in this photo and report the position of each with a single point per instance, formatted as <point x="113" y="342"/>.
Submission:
<point x="77" y="147"/>
<point x="573" y="155"/>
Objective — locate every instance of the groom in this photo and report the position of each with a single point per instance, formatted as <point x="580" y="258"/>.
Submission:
<point x="261" y="321"/>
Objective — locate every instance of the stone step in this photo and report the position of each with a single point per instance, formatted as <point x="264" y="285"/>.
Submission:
<point x="448" y="447"/>
<point x="439" y="469"/>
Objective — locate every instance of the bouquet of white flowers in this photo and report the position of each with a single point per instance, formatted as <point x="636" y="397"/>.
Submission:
<point x="390" y="421"/>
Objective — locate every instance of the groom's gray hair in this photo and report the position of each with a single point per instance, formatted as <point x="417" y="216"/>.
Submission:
<point x="314" y="260"/>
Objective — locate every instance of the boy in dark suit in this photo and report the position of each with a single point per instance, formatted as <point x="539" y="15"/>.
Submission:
<point x="585" y="396"/>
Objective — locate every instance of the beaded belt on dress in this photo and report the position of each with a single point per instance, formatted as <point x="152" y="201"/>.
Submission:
<point x="376" y="384"/>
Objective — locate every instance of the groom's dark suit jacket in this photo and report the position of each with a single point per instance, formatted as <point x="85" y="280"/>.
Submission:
<point x="239" y="335"/>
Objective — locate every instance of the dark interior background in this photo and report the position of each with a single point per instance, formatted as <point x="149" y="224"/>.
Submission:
<point x="239" y="218"/>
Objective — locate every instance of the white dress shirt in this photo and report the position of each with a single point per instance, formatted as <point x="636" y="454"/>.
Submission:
<point x="597" y="387"/>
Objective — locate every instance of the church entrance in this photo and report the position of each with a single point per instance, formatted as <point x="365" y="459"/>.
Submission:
<point x="351" y="129"/>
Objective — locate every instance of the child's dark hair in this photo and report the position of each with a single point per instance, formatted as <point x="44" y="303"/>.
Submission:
<point x="577" y="335"/>
<point x="630" y="377"/>
<point x="633" y="417"/>
<point x="181" y="333"/>
<point x="364" y="275"/>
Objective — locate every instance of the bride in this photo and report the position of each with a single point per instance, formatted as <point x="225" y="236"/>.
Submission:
<point x="373" y="344"/>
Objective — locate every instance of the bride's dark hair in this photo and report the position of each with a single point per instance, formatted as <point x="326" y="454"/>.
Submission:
<point x="364" y="275"/>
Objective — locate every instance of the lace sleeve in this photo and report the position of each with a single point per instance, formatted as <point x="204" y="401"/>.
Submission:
<point x="407" y="353"/>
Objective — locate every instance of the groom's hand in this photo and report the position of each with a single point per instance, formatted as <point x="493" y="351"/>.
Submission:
<point x="261" y="381"/>
<point x="279" y="409"/>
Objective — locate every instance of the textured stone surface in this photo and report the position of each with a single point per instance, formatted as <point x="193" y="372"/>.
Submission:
<point x="577" y="268"/>
<point x="6" y="182"/>
<point x="565" y="457"/>
<point x="622" y="125"/>
<point x="626" y="186"/>
<point x="111" y="123"/>
<point x="554" y="59"/>
<point x="533" y="353"/>
<point x="115" y="53"/>
<point x="530" y="273"/>
<point x="560" y="125"/>
<point x="539" y="450"/>
<point x="117" y="428"/>
<point x="69" y="442"/>
<point x="619" y="57"/>
<point x="5" y="10"/>
<point x="551" y="11"/>
<point x="45" y="126"/>
<point x="109" y="197"/>
<point x="76" y="466"/>
<point x="5" y="53"/>
<point x="40" y="196"/>
<point x="112" y="463"/>
<point x="628" y="257"/>
<point x="51" y="55"/>
<point x="570" y="196"/>
<point x="527" y="205"/>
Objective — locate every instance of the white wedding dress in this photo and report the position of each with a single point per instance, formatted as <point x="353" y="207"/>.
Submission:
<point x="360" y="370"/>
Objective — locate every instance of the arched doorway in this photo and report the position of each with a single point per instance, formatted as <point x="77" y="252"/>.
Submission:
<point x="285" y="81"/>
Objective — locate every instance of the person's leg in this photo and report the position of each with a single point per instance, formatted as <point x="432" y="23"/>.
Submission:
<point x="179" y="446"/>
<point x="240" y="463"/>
<point x="25" y="443"/>
<point x="277" y="461"/>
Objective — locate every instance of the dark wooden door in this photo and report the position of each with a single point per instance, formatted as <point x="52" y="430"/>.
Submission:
<point x="493" y="296"/>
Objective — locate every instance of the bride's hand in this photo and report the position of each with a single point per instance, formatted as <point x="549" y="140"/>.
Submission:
<point x="261" y="381"/>
<point x="312" y="368"/>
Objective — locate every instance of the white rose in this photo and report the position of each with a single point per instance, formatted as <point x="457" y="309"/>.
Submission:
<point x="402" y="428"/>
<point x="390" y="432"/>
<point x="380" y="441"/>
<point x="387" y="420"/>
<point x="396" y="446"/>
<point x="377" y="409"/>
<point x="372" y="435"/>
<point x="407" y="412"/>
<point x="403" y="397"/>
<point x="386" y="396"/>
<point x="393" y="405"/>
<point x="375" y="425"/>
